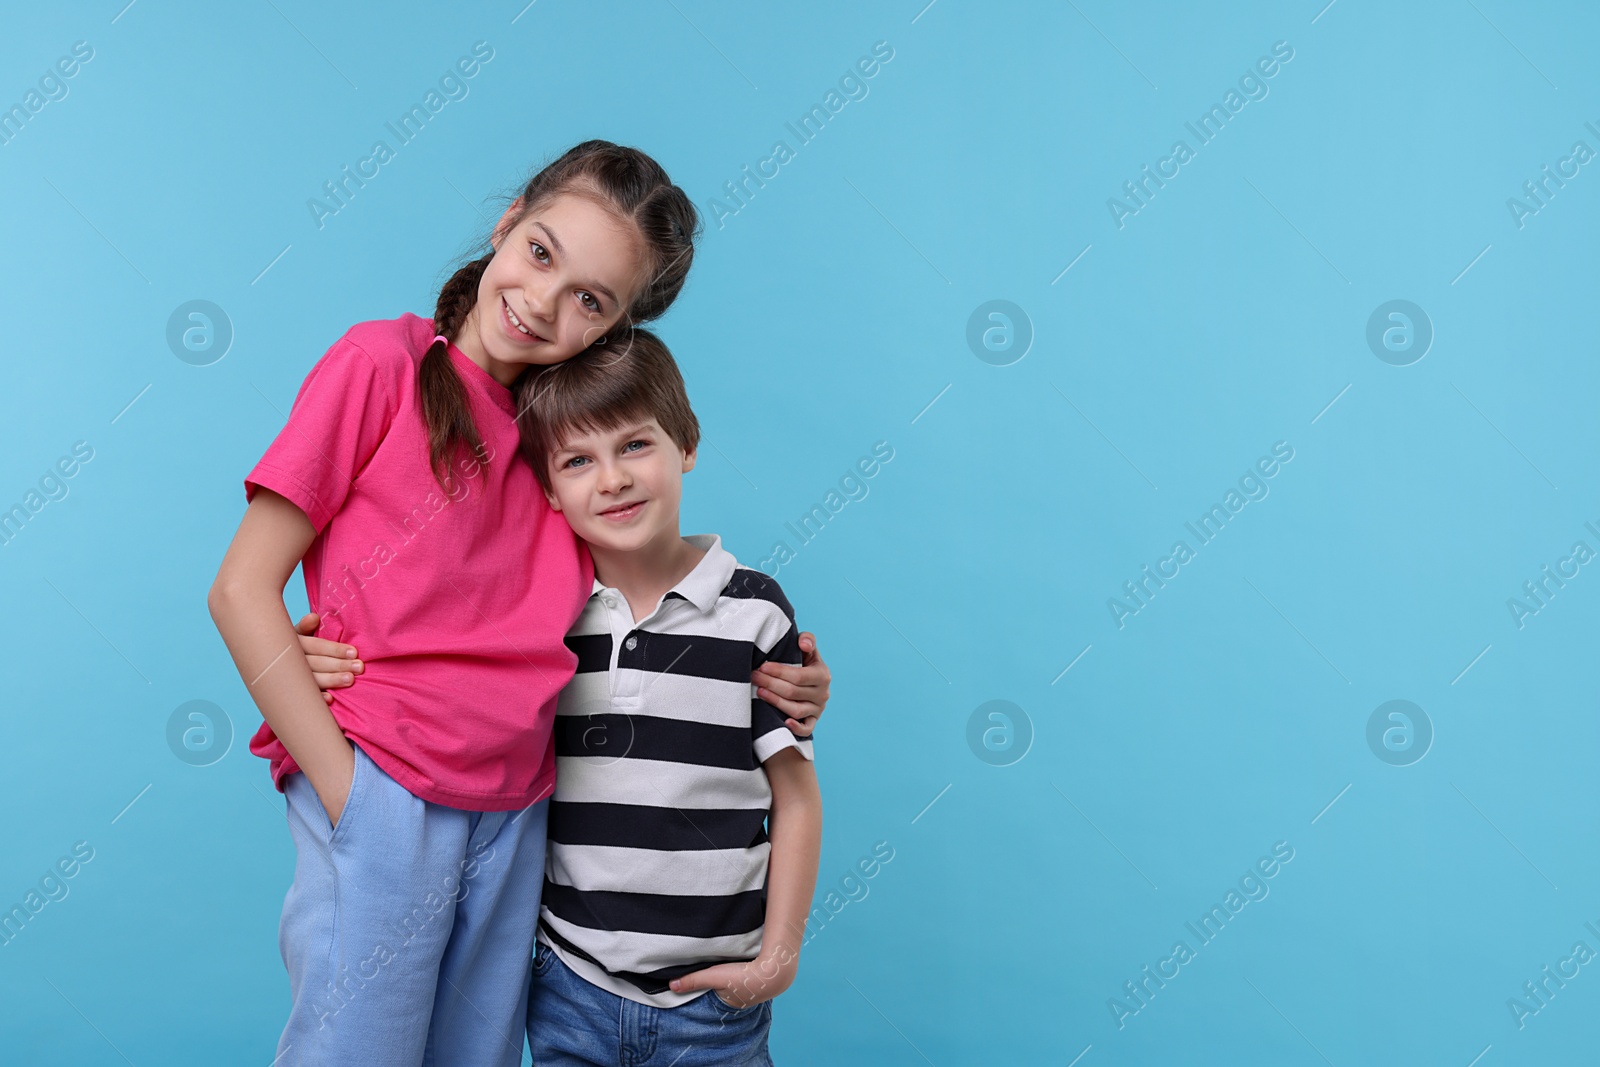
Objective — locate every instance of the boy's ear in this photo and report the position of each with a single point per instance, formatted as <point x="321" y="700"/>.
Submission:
<point x="688" y="460"/>
<point x="554" y="503"/>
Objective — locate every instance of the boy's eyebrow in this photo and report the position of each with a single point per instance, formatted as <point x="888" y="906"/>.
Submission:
<point x="555" y="242"/>
<point x="576" y="446"/>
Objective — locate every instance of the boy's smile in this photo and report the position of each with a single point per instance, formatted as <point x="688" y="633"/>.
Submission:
<point x="620" y="490"/>
<point x="626" y="512"/>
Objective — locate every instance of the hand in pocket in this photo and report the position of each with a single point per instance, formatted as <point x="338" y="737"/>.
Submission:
<point x="334" y="802"/>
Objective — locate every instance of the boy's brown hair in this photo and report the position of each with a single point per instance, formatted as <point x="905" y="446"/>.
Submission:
<point x="632" y="375"/>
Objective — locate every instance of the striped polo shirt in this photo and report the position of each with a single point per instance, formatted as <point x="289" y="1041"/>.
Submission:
<point x="657" y="861"/>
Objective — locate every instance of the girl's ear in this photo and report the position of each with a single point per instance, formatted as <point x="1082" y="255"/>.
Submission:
<point x="508" y="220"/>
<point x="554" y="503"/>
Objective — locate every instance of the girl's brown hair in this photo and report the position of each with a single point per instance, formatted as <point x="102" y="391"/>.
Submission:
<point x="631" y="376"/>
<point x="623" y="180"/>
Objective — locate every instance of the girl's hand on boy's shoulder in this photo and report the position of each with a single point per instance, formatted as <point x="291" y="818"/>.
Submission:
<point x="332" y="664"/>
<point x="742" y="985"/>
<point x="799" y="691"/>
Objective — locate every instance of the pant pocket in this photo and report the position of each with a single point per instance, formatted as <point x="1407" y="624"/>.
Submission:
<point x="542" y="955"/>
<point x="727" y="1012"/>
<point x="359" y="773"/>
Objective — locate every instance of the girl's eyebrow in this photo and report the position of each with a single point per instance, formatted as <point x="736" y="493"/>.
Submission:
<point x="555" y="242"/>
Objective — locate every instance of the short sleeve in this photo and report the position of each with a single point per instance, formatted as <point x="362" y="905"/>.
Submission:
<point x="778" y="642"/>
<point x="339" y="418"/>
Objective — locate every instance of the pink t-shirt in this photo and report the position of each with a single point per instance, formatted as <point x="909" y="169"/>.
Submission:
<point x="456" y="603"/>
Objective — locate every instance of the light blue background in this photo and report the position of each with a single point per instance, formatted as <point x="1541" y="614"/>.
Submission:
<point x="823" y="317"/>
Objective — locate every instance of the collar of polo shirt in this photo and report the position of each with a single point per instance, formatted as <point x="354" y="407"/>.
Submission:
<point x="703" y="585"/>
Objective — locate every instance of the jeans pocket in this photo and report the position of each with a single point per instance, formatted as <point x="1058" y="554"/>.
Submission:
<point x="542" y="955"/>
<point x="726" y="1010"/>
<point x="352" y="798"/>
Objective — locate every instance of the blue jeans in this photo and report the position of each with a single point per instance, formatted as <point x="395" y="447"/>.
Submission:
<point x="574" y="1024"/>
<point x="408" y="929"/>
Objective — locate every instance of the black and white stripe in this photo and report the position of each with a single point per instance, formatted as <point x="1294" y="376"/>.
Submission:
<point x="657" y="861"/>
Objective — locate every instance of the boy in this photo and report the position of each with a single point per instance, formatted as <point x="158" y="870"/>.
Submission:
<point x="670" y="915"/>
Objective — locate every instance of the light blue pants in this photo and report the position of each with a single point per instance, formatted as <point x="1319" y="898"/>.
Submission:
<point x="408" y="931"/>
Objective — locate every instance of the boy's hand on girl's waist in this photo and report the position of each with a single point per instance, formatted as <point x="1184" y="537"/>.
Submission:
<point x="742" y="985"/>
<point x="332" y="664"/>
<point x="800" y="692"/>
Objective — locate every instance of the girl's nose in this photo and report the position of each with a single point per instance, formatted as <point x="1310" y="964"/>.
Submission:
<point x="540" y="300"/>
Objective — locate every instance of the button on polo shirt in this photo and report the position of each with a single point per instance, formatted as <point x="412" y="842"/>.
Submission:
<point x="699" y="589"/>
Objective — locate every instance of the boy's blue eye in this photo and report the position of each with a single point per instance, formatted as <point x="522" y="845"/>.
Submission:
<point x="575" y="460"/>
<point x="629" y="446"/>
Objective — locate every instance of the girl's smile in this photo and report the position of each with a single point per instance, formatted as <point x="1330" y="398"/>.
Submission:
<point x="561" y="276"/>
<point x="516" y="328"/>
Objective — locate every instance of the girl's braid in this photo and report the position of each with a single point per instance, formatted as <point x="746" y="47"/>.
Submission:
<point x="445" y="408"/>
<point x="458" y="296"/>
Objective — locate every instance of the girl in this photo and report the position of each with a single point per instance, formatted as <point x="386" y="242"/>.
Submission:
<point x="417" y="801"/>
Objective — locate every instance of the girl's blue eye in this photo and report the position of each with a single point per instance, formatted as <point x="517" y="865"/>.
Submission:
<point x="574" y="461"/>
